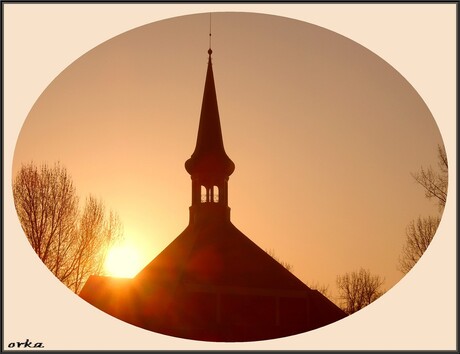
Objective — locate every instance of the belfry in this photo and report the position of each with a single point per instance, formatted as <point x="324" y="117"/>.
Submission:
<point x="212" y="283"/>
<point x="209" y="165"/>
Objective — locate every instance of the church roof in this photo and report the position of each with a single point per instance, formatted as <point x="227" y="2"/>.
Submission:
<point x="209" y="156"/>
<point x="218" y="254"/>
<point x="176" y="292"/>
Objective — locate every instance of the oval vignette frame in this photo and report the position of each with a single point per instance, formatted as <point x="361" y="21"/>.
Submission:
<point x="218" y="86"/>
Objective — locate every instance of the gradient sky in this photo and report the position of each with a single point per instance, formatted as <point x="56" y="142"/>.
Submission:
<point x="324" y="135"/>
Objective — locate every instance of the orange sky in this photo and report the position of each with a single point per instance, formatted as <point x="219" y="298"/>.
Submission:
<point x="324" y="135"/>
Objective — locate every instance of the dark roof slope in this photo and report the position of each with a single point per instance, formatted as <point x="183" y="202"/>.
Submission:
<point x="218" y="254"/>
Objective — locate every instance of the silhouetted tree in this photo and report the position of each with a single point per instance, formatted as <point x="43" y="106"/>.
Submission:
<point x="418" y="237"/>
<point x="323" y="289"/>
<point x="71" y="244"/>
<point x="358" y="289"/>
<point x="47" y="206"/>
<point x="286" y="265"/>
<point x="435" y="182"/>
<point x="97" y="232"/>
<point x="420" y="232"/>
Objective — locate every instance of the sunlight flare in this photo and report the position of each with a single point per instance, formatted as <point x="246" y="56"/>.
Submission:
<point x="123" y="261"/>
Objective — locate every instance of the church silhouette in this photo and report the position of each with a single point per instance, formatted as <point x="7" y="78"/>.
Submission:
<point x="212" y="283"/>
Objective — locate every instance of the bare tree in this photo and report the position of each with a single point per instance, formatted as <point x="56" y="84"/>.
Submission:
<point x="418" y="237"/>
<point x="420" y="232"/>
<point x="358" y="289"/>
<point x="323" y="289"/>
<point x="47" y="207"/>
<point x="435" y="182"/>
<point x="97" y="232"/>
<point x="286" y="265"/>
<point x="71" y="244"/>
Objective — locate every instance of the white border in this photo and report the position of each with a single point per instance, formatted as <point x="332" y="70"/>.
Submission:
<point x="416" y="39"/>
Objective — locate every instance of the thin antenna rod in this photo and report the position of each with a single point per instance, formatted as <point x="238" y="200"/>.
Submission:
<point x="209" y="30"/>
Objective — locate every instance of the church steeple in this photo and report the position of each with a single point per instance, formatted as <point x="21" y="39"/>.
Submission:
<point x="209" y="165"/>
<point x="212" y="277"/>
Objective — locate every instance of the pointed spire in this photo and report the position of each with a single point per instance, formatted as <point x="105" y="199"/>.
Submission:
<point x="209" y="157"/>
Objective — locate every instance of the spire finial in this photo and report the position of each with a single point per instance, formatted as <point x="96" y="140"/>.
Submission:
<point x="210" y="50"/>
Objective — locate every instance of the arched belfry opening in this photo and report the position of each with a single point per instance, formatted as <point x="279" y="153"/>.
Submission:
<point x="210" y="195"/>
<point x="215" y="194"/>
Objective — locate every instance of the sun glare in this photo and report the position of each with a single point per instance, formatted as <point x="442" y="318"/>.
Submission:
<point x="123" y="261"/>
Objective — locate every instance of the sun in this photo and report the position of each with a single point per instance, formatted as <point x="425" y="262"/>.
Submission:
<point x="122" y="261"/>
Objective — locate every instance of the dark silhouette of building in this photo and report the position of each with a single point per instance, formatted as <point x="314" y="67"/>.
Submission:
<point x="212" y="282"/>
